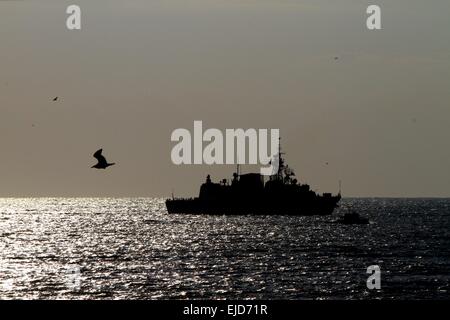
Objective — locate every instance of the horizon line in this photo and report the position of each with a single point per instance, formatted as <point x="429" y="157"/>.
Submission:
<point x="168" y="197"/>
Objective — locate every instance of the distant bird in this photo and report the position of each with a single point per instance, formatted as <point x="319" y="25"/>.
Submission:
<point x="102" y="163"/>
<point x="55" y="98"/>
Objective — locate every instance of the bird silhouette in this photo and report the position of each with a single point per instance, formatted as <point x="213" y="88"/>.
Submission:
<point x="102" y="163"/>
<point x="55" y="98"/>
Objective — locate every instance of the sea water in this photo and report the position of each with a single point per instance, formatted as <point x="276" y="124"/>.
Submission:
<point x="131" y="248"/>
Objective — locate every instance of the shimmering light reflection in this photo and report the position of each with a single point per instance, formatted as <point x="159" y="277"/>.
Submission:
<point x="131" y="248"/>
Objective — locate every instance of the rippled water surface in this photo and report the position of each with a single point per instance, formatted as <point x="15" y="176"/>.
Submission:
<point x="132" y="249"/>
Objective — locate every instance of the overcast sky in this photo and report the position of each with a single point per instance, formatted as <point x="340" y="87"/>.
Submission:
<point x="379" y="115"/>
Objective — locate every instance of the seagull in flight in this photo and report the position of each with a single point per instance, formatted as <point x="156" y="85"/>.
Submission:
<point x="102" y="163"/>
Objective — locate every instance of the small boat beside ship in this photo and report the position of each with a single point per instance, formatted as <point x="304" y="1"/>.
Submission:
<point x="352" y="218"/>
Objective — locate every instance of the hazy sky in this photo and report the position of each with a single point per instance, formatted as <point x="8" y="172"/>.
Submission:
<point x="379" y="115"/>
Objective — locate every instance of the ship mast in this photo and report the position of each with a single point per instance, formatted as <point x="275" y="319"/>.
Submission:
<point x="280" y="161"/>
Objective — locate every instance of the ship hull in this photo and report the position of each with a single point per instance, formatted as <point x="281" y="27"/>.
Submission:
<point x="320" y="206"/>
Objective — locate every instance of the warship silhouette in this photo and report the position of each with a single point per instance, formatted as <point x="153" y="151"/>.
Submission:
<point x="249" y="193"/>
